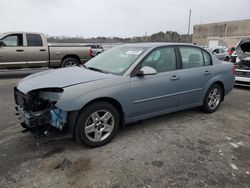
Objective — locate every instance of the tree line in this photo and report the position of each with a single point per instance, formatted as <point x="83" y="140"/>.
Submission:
<point x="169" y="36"/>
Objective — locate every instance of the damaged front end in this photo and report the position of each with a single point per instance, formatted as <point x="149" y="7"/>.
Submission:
<point x="37" y="110"/>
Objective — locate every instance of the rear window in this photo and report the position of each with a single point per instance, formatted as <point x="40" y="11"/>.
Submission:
<point x="207" y="58"/>
<point x="34" y="40"/>
<point x="222" y="50"/>
<point x="191" y="57"/>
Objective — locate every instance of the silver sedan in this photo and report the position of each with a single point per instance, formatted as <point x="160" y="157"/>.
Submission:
<point x="122" y="85"/>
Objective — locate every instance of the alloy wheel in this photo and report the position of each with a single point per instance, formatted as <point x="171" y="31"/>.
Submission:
<point x="70" y="64"/>
<point x="99" y="125"/>
<point x="214" y="98"/>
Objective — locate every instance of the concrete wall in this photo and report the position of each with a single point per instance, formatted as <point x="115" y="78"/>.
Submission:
<point x="227" y="33"/>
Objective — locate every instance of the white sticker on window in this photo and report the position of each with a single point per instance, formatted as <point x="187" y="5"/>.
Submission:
<point x="134" y="52"/>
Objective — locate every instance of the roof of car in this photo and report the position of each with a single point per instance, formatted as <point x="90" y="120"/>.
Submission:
<point x="218" y="47"/>
<point x="19" y="32"/>
<point x="156" y="44"/>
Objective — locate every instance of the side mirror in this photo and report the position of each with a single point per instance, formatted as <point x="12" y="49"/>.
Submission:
<point x="214" y="52"/>
<point x="2" y="43"/>
<point x="146" y="71"/>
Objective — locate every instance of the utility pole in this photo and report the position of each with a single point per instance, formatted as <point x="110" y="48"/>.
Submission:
<point x="189" y="21"/>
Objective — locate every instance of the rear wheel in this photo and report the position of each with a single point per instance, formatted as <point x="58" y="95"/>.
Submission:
<point x="212" y="99"/>
<point x="97" y="124"/>
<point x="226" y="58"/>
<point x="70" y="62"/>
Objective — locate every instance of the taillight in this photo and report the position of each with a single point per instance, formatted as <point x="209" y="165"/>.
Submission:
<point x="234" y="69"/>
<point x="90" y="52"/>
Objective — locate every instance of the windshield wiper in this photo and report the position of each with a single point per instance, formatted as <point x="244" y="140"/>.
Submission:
<point x="95" y="69"/>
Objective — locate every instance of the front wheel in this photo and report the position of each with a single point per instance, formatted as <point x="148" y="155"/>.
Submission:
<point x="212" y="99"/>
<point x="97" y="124"/>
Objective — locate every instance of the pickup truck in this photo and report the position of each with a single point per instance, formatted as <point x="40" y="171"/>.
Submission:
<point x="26" y="49"/>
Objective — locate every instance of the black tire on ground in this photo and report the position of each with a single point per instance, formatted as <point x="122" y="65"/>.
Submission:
<point x="226" y="58"/>
<point x="97" y="124"/>
<point x="212" y="99"/>
<point x="70" y="62"/>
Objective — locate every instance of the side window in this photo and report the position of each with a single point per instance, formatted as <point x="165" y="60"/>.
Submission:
<point x="34" y="40"/>
<point x="216" y="51"/>
<point x="162" y="59"/>
<point x="221" y="50"/>
<point x="207" y="58"/>
<point x="99" y="46"/>
<point x="13" y="40"/>
<point x="191" y="57"/>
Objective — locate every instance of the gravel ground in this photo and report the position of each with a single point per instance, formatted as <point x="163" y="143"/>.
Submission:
<point x="183" y="149"/>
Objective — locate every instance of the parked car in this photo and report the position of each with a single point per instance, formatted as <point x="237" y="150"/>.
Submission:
<point x="243" y="66"/>
<point x="220" y="52"/>
<point x="23" y="49"/>
<point x="125" y="84"/>
<point x="96" y="49"/>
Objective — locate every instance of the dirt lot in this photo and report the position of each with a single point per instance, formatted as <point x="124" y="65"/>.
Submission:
<point x="184" y="149"/>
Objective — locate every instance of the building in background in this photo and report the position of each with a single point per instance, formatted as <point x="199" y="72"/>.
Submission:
<point x="222" y="33"/>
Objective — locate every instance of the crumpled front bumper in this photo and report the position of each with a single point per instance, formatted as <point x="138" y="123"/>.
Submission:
<point x="34" y="119"/>
<point x="52" y="116"/>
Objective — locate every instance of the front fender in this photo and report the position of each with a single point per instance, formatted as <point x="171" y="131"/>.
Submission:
<point x="77" y="96"/>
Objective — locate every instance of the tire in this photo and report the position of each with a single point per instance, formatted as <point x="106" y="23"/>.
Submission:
<point x="226" y="58"/>
<point x="92" y="127"/>
<point x="212" y="99"/>
<point x="70" y="62"/>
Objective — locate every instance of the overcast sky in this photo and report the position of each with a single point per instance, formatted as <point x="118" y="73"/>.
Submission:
<point x="123" y="18"/>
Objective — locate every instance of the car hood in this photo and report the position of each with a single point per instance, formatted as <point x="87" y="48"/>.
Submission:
<point x="60" y="78"/>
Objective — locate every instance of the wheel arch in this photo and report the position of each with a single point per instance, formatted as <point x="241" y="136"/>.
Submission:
<point x="74" y="115"/>
<point x="71" y="56"/>
<point x="222" y="87"/>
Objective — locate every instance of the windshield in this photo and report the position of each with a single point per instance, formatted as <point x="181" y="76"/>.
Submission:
<point x="116" y="60"/>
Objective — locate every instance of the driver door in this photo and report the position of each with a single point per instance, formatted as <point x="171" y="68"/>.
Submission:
<point x="156" y="93"/>
<point x="12" y="55"/>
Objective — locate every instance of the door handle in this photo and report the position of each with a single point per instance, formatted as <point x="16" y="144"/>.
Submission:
<point x="42" y="50"/>
<point x="207" y="72"/>
<point x="19" y="50"/>
<point x="174" y="77"/>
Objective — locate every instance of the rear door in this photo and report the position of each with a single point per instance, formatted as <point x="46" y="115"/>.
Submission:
<point x="196" y="72"/>
<point x="36" y="52"/>
<point x="12" y="55"/>
<point x="155" y="93"/>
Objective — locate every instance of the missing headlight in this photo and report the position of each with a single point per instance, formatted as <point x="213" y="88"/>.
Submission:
<point x="43" y="99"/>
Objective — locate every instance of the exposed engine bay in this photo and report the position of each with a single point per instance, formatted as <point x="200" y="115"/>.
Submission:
<point x="37" y="110"/>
